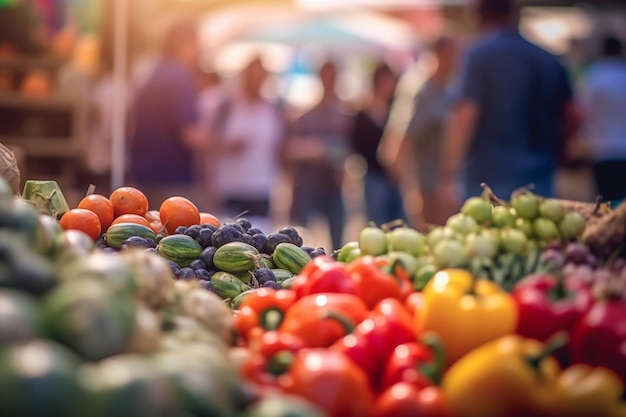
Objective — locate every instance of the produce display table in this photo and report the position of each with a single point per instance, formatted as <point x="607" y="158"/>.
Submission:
<point x="512" y="308"/>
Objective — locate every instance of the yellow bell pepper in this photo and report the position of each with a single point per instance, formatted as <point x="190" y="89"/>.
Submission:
<point x="502" y="378"/>
<point x="583" y="391"/>
<point x="465" y="312"/>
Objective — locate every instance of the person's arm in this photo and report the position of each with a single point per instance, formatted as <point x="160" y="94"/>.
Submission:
<point x="459" y="129"/>
<point x="572" y="116"/>
<point x="300" y="144"/>
<point x="457" y="137"/>
<point x="194" y="137"/>
<point x="186" y="112"/>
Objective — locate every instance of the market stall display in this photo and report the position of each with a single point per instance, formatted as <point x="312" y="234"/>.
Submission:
<point x="512" y="308"/>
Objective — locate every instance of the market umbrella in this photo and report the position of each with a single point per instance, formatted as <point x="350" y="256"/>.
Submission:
<point x="362" y="31"/>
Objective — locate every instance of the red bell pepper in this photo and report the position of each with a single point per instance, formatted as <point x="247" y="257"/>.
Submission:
<point x="375" y="338"/>
<point x="405" y="400"/>
<point x="310" y="318"/>
<point x="548" y="304"/>
<point x="600" y="337"/>
<point x="414" y="303"/>
<point x="270" y="355"/>
<point x="419" y="364"/>
<point x="264" y="308"/>
<point x="323" y="275"/>
<point x="331" y="381"/>
<point x="374" y="284"/>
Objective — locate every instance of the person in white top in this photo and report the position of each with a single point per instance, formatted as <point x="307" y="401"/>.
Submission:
<point x="248" y="133"/>
<point x="604" y="101"/>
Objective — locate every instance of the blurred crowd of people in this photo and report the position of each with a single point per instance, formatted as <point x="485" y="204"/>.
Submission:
<point x="500" y="110"/>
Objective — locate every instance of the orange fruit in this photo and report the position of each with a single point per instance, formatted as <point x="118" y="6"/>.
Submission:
<point x="129" y="200"/>
<point x="154" y="218"/>
<point x="208" y="218"/>
<point x="84" y="220"/>
<point x="178" y="211"/>
<point x="100" y="205"/>
<point x="153" y="215"/>
<point x="131" y="218"/>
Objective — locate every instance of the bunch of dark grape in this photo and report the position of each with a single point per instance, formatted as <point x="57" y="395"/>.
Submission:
<point x="211" y="238"/>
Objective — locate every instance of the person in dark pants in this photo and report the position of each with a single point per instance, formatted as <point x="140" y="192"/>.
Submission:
<point x="166" y="131"/>
<point x="509" y="115"/>
<point x="315" y="153"/>
<point x="604" y="101"/>
<point x="383" y="201"/>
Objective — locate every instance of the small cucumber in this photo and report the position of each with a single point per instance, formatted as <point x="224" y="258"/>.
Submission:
<point x="181" y="249"/>
<point x="236" y="302"/>
<point x="236" y="257"/>
<point x="118" y="233"/>
<point x="245" y="276"/>
<point x="290" y="257"/>
<point x="281" y="275"/>
<point x="286" y="284"/>
<point x="227" y="285"/>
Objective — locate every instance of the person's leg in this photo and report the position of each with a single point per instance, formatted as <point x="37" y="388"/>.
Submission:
<point x="334" y="212"/>
<point x="376" y="198"/>
<point x="395" y="205"/>
<point x="610" y="179"/>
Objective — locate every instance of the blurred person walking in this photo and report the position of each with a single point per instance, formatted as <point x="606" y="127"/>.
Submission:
<point x="383" y="201"/>
<point x="246" y="137"/>
<point x="510" y="115"/>
<point x="604" y="101"/>
<point x="166" y="130"/>
<point x="316" y="151"/>
<point x="211" y="96"/>
<point x="419" y="152"/>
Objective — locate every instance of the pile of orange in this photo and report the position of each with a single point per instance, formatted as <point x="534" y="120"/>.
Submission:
<point x="96" y="213"/>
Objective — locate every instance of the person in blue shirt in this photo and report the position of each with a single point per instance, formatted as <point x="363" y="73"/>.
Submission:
<point x="604" y="101"/>
<point x="506" y="125"/>
<point x="166" y="131"/>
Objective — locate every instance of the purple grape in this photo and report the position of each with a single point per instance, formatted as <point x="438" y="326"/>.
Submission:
<point x="592" y="260"/>
<point x="264" y="275"/>
<point x="273" y="240"/>
<point x="259" y="241"/>
<point x="293" y="234"/>
<point x="244" y="223"/>
<point x="554" y="244"/>
<point x="255" y="231"/>
<point x="246" y="238"/>
<point x="271" y="284"/>
<point x="554" y="257"/>
<point x="193" y="231"/>
<point x="204" y="237"/>
<point x="187" y="274"/>
<point x="618" y="264"/>
<point x="317" y="252"/>
<point x="206" y="284"/>
<point x="175" y="269"/>
<point x="307" y="249"/>
<point x="197" y="264"/>
<point x="203" y="274"/>
<point x="576" y="252"/>
<point x="138" y="242"/>
<point x="207" y="257"/>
